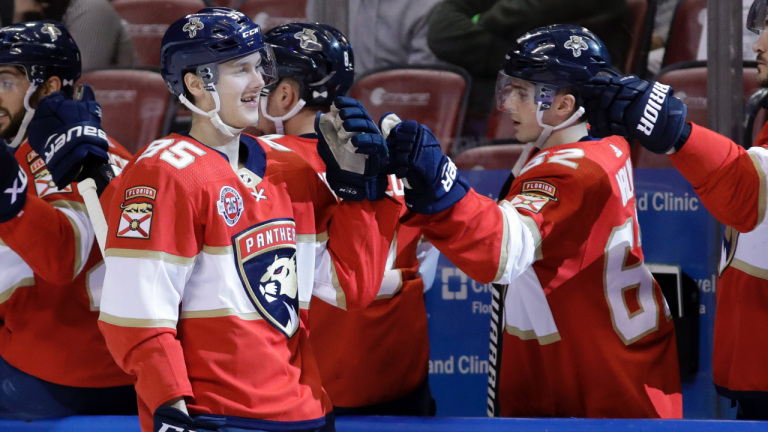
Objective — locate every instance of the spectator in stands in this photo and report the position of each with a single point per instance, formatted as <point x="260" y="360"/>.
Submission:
<point x="386" y="32"/>
<point x="476" y="34"/>
<point x="103" y="40"/>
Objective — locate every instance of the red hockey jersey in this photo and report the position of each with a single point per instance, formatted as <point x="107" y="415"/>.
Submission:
<point x="379" y="353"/>
<point x="585" y="330"/>
<point x="731" y="183"/>
<point x="207" y="270"/>
<point x="48" y="311"/>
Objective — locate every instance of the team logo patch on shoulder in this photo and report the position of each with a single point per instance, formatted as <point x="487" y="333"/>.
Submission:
<point x="230" y="205"/>
<point x="539" y="188"/>
<point x="32" y="155"/>
<point x="532" y="203"/>
<point x="135" y="221"/>
<point x="265" y="257"/>
<point x="45" y="186"/>
<point x="141" y="192"/>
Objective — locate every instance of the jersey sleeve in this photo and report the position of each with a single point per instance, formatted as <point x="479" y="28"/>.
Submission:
<point x="487" y="241"/>
<point x="52" y="233"/>
<point x="153" y="238"/>
<point x="729" y="180"/>
<point x="351" y="242"/>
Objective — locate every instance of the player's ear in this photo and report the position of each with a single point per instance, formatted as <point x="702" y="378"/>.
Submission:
<point x="194" y="85"/>
<point x="53" y="84"/>
<point x="565" y="105"/>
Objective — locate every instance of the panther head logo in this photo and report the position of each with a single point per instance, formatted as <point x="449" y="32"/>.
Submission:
<point x="280" y="279"/>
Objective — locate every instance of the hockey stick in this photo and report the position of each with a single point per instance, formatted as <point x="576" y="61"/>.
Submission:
<point x="87" y="189"/>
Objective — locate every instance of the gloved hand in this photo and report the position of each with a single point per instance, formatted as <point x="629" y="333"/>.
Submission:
<point x="13" y="184"/>
<point x="68" y="136"/>
<point x="432" y="182"/>
<point x="630" y="107"/>
<point x="170" y="419"/>
<point x="354" y="152"/>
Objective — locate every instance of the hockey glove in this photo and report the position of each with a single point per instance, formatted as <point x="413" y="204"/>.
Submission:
<point x="170" y="419"/>
<point x="630" y="107"/>
<point x="432" y="182"/>
<point x="68" y="136"/>
<point x="13" y="184"/>
<point x="354" y="152"/>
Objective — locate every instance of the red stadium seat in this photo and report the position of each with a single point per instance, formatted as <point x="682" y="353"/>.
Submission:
<point x="690" y="83"/>
<point x="639" y="20"/>
<point x="272" y="13"/>
<point x="685" y="32"/>
<point x="494" y="157"/>
<point x="134" y="103"/>
<point x="149" y="19"/>
<point x="435" y="96"/>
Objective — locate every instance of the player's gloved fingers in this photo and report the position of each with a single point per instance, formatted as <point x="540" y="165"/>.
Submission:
<point x="388" y="122"/>
<point x="347" y="102"/>
<point x="353" y="112"/>
<point x="88" y="94"/>
<point x="358" y="125"/>
<point x="618" y="111"/>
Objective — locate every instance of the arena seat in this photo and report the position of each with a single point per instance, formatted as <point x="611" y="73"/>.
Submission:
<point x="149" y="19"/>
<point x="639" y="20"/>
<point x="433" y="95"/>
<point x="272" y="13"/>
<point x="134" y="103"/>
<point x="685" y="32"/>
<point x="689" y="79"/>
<point x="493" y="157"/>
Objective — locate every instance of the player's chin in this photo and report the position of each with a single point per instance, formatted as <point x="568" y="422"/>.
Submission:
<point x="246" y="118"/>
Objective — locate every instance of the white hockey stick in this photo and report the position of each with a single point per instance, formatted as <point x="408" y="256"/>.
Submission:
<point x="87" y="189"/>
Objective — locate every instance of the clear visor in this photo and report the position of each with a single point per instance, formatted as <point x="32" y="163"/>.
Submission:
<point x="267" y="66"/>
<point x="12" y="80"/>
<point x="756" y="16"/>
<point x="514" y="95"/>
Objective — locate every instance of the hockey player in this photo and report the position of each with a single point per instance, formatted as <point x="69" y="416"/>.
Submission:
<point x="372" y="361"/>
<point x="216" y="241"/>
<point x="581" y="328"/>
<point x="731" y="183"/>
<point x="51" y="351"/>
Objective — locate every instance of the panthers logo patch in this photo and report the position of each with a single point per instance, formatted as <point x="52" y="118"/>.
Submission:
<point x="265" y="257"/>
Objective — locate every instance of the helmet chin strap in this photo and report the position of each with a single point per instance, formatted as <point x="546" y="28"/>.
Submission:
<point x="213" y="114"/>
<point x="278" y="121"/>
<point x="22" y="133"/>
<point x="545" y="134"/>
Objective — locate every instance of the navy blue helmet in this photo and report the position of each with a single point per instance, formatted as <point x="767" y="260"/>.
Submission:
<point x="554" y="57"/>
<point x="200" y="41"/>
<point x="44" y="49"/>
<point x="318" y="56"/>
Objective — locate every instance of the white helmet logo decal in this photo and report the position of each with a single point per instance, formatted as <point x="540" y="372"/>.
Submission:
<point x="52" y="31"/>
<point x="308" y="40"/>
<point x="576" y="44"/>
<point x="193" y="26"/>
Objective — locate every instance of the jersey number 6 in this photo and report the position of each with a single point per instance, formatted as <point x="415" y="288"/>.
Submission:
<point x="621" y="280"/>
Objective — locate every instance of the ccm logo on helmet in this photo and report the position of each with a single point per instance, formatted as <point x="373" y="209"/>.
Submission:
<point x="64" y="138"/>
<point x="251" y="32"/>
<point x="652" y="108"/>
